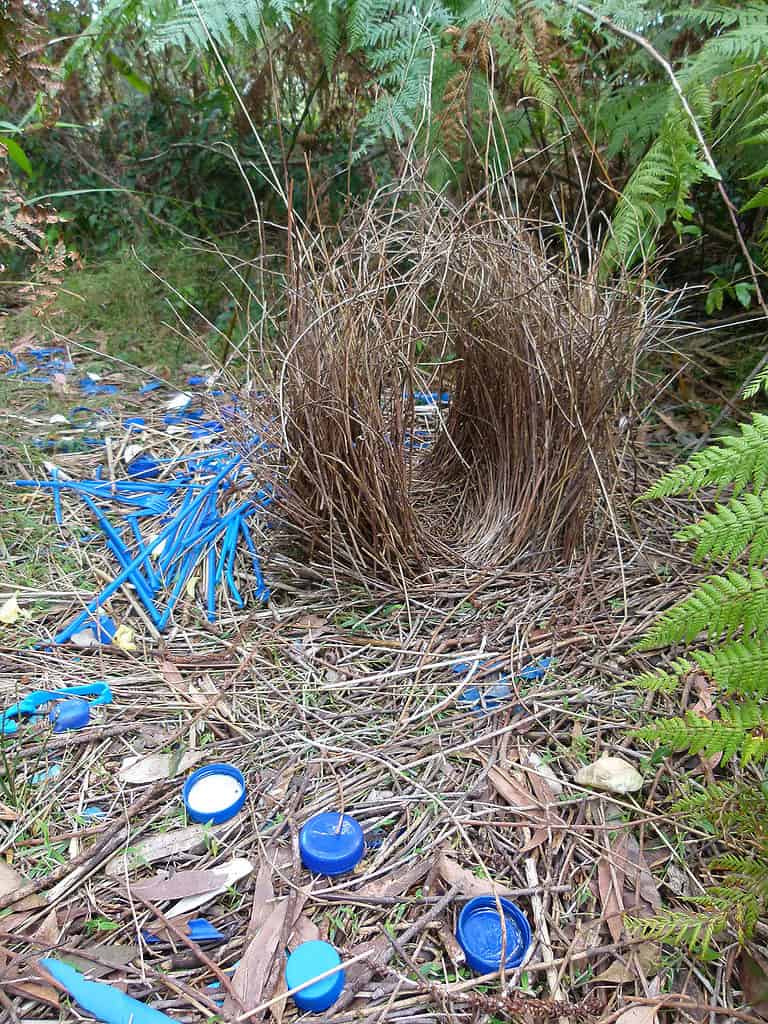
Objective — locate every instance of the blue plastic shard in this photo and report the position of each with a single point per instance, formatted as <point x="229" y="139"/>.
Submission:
<point x="152" y="385"/>
<point x="104" y="1002"/>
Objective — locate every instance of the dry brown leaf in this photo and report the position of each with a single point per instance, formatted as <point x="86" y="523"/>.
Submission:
<point x="36" y="990"/>
<point x="639" y="1015"/>
<point x="155" y="848"/>
<point x="171" y="675"/>
<point x="309" y="622"/>
<point x="453" y="949"/>
<point x="227" y="874"/>
<point x="305" y="930"/>
<point x="639" y="876"/>
<point x="47" y="933"/>
<point x="468" y="883"/>
<point x="138" y="771"/>
<point x="7" y="813"/>
<point x="106" y="959"/>
<point x="11" y="881"/>
<point x="263" y="897"/>
<point x="395" y="884"/>
<point x="277" y="1009"/>
<point x="519" y="796"/>
<point x="610" y="883"/>
<point x="253" y="971"/>
<point x="753" y="971"/>
<point x="646" y="954"/>
<point x="183" y="883"/>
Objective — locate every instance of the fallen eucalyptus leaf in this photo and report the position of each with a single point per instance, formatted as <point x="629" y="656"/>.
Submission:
<point x="179" y="885"/>
<point x="611" y="774"/>
<point x="155" y="848"/>
<point x="228" y="875"/>
<point x="137" y="771"/>
<point x="469" y="884"/>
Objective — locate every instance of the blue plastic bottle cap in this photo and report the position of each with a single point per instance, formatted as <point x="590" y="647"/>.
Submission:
<point x="331" y="843"/>
<point x="214" y="793"/>
<point x="306" y="962"/>
<point x="480" y="934"/>
<point x="70" y="714"/>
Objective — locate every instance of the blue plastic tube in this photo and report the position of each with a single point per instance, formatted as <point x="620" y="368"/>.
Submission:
<point x="80" y="620"/>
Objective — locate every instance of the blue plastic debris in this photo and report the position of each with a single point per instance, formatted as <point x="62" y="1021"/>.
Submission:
<point x="135" y="424"/>
<point x="104" y="1002"/>
<point x="143" y="467"/>
<point x="45" y="774"/>
<point x="489" y="697"/>
<point x="214" y="793"/>
<point x="484" y="937"/>
<point x="70" y="714"/>
<point x="151" y="385"/>
<point x="91" y="387"/>
<point x="198" y="929"/>
<point x="306" y="962"/>
<point x="331" y="843"/>
<point x="29" y="707"/>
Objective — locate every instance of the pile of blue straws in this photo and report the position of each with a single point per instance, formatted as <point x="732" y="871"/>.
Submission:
<point x="200" y="519"/>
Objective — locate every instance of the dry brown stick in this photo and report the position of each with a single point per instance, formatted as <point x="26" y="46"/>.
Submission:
<point x="203" y="957"/>
<point x="91" y="857"/>
<point x="384" y="957"/>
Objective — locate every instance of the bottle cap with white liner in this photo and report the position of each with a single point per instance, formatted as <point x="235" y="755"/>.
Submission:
<point x="331" y="843"/>
<point x="214" y="793"/>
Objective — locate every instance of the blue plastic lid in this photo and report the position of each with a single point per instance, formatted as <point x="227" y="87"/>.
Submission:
<point x="331" y="844"/>
<point x="70" y="714"/>
<point x="214" y="793"/>
<point x="480" y="935"/>
<point x="306" y="962"/>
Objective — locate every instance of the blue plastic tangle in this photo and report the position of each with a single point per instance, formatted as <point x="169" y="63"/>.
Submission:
<point x="214" y="793"/>
<point x="30" y="707"/>
<point x="484" y="934"/>
<point x="308" y="961"/>
<point x="331" y="843"/>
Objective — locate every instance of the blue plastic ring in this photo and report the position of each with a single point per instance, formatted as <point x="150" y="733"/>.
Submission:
<point x="224" y="813"/>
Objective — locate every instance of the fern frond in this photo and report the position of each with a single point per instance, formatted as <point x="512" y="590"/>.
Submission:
<point x="731" y="529"/>
<point x="740" y="667"/>
<point x="739" y="730"/>
<point x="661" y="680"/>
<point x="695" y="931"/>
<point x="737" y="461"/>
<point x="720" y="606"/>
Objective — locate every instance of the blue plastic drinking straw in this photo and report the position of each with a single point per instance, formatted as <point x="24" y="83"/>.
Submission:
<point x="80" y="620"/>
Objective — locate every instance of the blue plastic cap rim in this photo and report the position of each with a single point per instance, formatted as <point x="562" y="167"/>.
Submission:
<point x="331" y="843"/>
<point x="306" y="962"/>
<point x="479" y="933"/>
<point x="224" y="813"/>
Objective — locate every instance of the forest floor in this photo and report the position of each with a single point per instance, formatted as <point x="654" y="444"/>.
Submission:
<point x="329" y="700"/>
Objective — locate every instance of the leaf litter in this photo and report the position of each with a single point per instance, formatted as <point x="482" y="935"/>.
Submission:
<point x="451" y="826"/>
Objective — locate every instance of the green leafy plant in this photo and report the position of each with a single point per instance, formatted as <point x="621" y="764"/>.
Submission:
<point x="727" y="615"/>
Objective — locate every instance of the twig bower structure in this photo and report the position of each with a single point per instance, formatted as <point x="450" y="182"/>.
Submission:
<point x="537" y="354"/>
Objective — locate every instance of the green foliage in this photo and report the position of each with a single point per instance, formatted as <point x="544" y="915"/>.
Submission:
<point x="731" y="611"/>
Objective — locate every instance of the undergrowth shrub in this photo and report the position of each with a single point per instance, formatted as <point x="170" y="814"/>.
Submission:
<point x="538" y="358"/>
<point x="727" y="617"/>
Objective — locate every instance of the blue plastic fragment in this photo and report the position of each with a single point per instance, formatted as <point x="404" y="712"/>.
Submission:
<point x="198" y="929"/>
<point x="135" y="424"/>
<point x="152" y="385"/>
<point x="70" y="714"/>
<point x="90" y="387"/>
<point x="45" y="774"/>
<point x="104" y="1002"/>
<point x="143" y="467"/>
